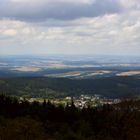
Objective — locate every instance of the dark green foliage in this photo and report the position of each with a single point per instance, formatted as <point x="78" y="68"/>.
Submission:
<point x="22" y="128"/>
<point x="112" y="87"/>
<point x="36" y="121"/>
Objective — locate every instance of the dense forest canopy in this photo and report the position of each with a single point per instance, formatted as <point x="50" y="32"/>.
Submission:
<point x="110" y="87"/>
<point x="45" y="121"/>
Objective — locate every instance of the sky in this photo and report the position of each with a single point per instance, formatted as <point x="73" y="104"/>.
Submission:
<point x="110" y="27"/>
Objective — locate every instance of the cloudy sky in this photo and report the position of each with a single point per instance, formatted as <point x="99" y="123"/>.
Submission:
<point x="70" y="27"/>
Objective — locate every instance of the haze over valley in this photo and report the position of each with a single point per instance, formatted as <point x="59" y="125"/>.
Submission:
<point x="71" y="66"/>
<point x="59" y="76"/>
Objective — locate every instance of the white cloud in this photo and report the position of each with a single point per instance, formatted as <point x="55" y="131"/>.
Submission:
<point x="10" y="32"/>
<point x="117" y="33"/>
<point x="130" y="3"/>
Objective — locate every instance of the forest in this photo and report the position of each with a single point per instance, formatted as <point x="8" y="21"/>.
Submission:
<point x="21" y="120"/>
<point x="109" y="87"/>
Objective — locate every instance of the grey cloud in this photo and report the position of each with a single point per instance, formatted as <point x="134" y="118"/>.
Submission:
<point x="59" y="10"/>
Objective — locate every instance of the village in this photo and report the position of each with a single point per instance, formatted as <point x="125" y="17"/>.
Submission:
<point x="82" y="101"/>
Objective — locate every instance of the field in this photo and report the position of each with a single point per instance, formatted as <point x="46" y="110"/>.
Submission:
<point x="61" y="76"/>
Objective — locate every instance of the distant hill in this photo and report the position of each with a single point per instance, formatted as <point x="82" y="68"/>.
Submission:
<point x="111" y="87"/>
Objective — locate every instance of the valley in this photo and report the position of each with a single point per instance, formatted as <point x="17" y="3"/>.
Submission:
<point x="61" y="76"/>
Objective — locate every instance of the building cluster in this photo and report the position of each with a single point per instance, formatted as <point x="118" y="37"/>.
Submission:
<point x="82" y="101"/>
<point x="92" y="101"/>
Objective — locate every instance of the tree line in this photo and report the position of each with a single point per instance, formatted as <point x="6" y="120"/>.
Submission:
<point x="22" y="120"/>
